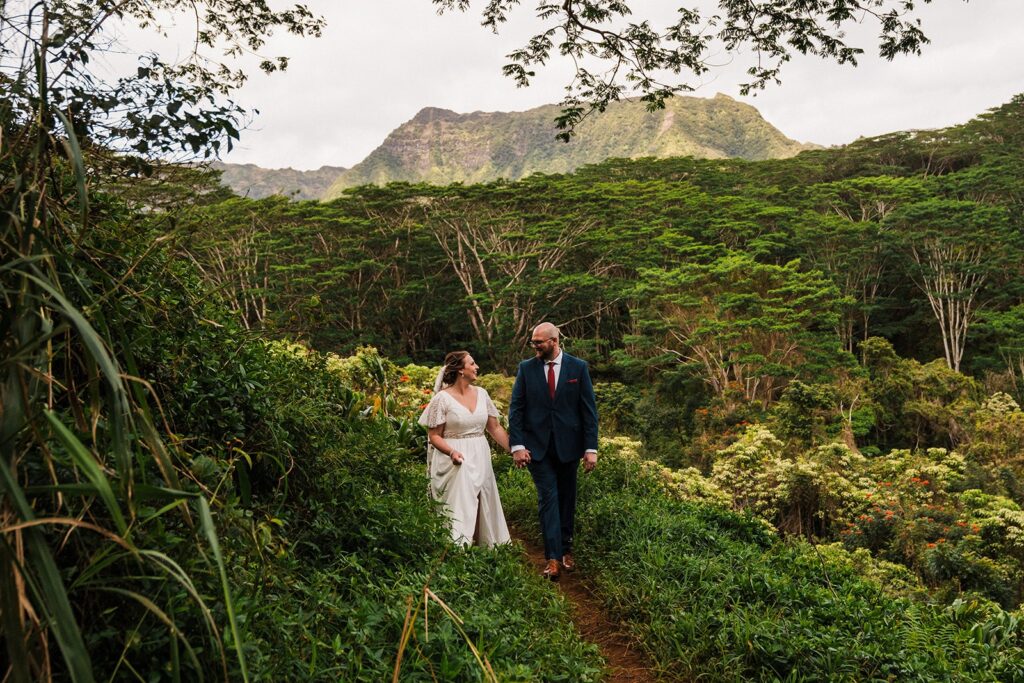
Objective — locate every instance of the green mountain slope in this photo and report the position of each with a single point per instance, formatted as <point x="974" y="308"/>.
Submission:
<point x="249" y="180"/>
<point x="441" y="147"/>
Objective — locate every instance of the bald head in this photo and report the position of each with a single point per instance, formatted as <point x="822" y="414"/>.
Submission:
<point x="544" y="341"/>
<point x="545" y="330"/>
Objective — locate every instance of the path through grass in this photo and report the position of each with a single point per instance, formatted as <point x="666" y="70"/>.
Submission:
<point x="625" y="660"/>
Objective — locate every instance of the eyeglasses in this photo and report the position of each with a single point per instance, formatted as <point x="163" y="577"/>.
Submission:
<point x="537" y="342"/>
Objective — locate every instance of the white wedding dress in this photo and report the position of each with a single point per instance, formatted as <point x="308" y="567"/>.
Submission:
<point x="469" y="491"/>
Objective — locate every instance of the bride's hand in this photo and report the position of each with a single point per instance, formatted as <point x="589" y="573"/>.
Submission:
<point x="456" y="457"/>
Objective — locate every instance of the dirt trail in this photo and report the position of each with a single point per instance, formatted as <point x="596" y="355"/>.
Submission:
<point x="626" y="663"/>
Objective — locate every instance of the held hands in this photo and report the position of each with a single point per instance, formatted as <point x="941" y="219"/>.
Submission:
<point x="521" y="458"/>
<point x="589" y="461"/>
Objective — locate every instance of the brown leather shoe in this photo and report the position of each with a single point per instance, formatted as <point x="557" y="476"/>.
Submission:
<point x="552" y="571"/>
<point x="568" y="562"/>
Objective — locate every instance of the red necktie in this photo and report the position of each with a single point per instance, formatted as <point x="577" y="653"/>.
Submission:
<point x="551" y="379"/>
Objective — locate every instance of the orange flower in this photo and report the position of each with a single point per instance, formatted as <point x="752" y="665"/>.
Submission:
<point x="403" y="378"/>
<point x="931" y="545"/>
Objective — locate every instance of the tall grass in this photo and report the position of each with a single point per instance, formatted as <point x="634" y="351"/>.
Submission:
<point x="82" y="456"/>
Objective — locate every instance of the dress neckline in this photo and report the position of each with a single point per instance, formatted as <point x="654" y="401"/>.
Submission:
<point x="460" y="403"/>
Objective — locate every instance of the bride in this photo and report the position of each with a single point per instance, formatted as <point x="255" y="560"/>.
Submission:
<point x="458" y="455"/>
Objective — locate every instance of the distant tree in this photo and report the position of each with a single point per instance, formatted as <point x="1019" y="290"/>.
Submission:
<point x="745" y="326"/>
<point x="234" y="259"/>
<point x="954" y="249"/>
<point x="850" y="243"/>
<point x="916" y="404"/>
<point x="1008" y="327"/>
<point x="637" y="54"/>
<point x="507" y="266"/>
<point x="866" y="199"/>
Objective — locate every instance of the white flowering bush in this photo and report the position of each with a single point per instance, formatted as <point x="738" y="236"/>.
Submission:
<point x="1000" y="403"/>
<point x="681" y="484"/>
<point x="995" y="449"/>
<point x="747" y="469"/>
<point x="922" y="476"/>
<point x="805" y="494"/>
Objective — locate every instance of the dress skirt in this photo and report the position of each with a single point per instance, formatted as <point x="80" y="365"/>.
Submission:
<point x="468" y="491"/>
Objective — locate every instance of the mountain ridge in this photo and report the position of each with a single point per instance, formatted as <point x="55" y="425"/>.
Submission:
<point x="255" y="182"/>
<point x="440" y="146"/>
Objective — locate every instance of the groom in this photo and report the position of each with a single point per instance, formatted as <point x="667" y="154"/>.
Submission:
<point x="552" y="426"/>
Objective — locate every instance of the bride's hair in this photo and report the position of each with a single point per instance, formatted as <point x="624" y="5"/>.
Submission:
<point x="453" y="362"/>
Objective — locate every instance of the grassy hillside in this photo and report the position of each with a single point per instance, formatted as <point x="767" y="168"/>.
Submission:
<point x="716" y="596"/>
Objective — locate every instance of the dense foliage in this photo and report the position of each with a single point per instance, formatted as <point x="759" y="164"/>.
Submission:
<point x="315" y="491"/>
<point x="710" y="267"/>
<point x="715" y="595"/>
<point x="183" y="498"/>
<point x="179" y="498"/>
<point x="830" y="342"/>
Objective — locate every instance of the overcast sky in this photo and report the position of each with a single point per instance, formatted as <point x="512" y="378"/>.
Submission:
<point x="381" y="61"/>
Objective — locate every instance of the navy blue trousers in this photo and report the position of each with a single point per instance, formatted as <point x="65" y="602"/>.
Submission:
<point x="556" y="501"/>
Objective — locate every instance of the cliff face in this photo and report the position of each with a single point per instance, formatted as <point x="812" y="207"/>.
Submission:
<point x="440" y="146"/>
<point x="249" y="180"/>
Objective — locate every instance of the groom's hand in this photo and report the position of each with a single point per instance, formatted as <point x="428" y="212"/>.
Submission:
<point x="521" y="458"/>
<point x="589" y="461"/>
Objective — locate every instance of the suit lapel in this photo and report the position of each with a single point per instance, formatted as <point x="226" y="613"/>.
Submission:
<point x="563" y="373"/>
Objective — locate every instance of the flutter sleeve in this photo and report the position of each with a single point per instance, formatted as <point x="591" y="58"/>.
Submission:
<point x="435" y="413"/>
<point x="492" y="411"/>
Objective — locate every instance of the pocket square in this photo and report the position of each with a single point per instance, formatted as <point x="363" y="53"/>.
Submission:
<point x="573" y="381"/>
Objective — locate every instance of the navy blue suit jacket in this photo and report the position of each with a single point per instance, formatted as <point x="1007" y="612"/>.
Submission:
<point x="569" y="423"/>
